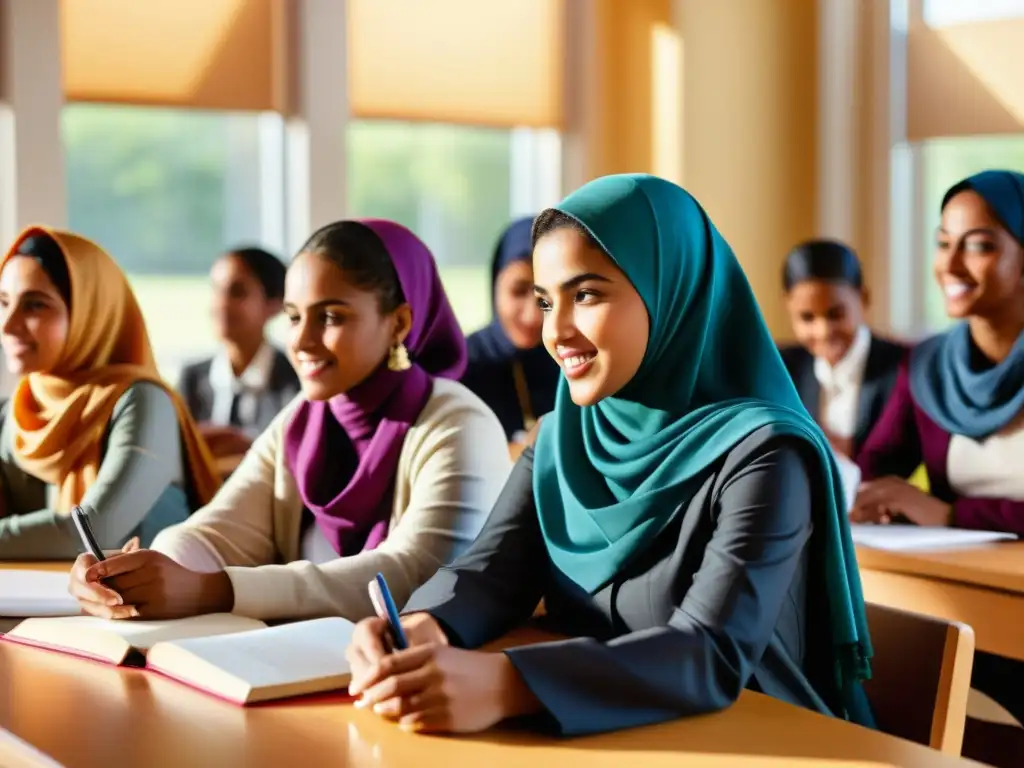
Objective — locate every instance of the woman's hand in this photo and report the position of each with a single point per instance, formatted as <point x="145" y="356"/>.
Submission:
<point x="149" y="585"/>
<point x="437" y="688"/>
<point x="371" y="642"/>
<point x="95" y="598"/>
<point x="879" y="501"/>
<point x="225" y="441"/>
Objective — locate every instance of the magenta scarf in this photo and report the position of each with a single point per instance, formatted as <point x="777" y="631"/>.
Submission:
<point x="344" y="452"/>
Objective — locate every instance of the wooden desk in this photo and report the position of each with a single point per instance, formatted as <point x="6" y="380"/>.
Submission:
<point x="85" y="714"/>
<point x="981" y="586"/>
<point x="14" y="565"/>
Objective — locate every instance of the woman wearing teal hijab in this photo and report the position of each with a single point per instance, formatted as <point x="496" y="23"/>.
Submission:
<point x="681" y="515"/>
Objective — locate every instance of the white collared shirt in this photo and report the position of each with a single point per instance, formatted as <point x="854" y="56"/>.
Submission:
<point x="249" y="386"/>
<point x="840" y="385"/>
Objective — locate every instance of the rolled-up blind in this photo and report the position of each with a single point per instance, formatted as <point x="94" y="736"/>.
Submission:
<point x="484" y="62"/>
<point x="965" y="79"/>
<point x="204" y="54"/>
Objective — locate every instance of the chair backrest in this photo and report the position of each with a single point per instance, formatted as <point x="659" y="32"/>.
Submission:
<point x="920" y="676"/>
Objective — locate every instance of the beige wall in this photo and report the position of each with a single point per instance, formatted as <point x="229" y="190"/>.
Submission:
<point x="750" y="117"/>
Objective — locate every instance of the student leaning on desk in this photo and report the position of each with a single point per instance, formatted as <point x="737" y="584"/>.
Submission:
<point x="385" y="464"/>
<point x="958" y="404"/>
<point x="90" y="420"/>
<point x="681" y="514"/>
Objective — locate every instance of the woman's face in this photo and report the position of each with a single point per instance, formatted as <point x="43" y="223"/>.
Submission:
<point x="595" y="323"/>
<point x="35" y="317"/>
<point x="978" y="264"/>
<point x="338" y="334"/>
<point x="516" y="305"/>
<point x="825" y="317"/>
<point x="240" y="307"/>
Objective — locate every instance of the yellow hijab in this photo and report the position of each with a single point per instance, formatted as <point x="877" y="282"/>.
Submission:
<point x="61" y="416"/>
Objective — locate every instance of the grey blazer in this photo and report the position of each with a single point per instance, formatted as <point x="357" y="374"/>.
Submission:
<point x="884" y="358"/>
<point x="720" y="601"/>
<point x="197" y="392"/>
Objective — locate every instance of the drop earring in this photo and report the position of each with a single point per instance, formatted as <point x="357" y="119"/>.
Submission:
<point x="398" y="358"/>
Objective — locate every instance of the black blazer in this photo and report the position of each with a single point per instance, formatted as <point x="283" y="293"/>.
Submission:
<point x="197" y="392"/>
<point x="883" y="364"/>
<point x="729" y="596"/>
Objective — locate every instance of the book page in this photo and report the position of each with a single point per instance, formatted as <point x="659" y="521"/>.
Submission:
<point x="903" y="538"/>
<point x="25" y="593"/>
<point x="84" y="632"/>
<point x="16" y="753"/>
<point x="268" y="658"/>
<point x="849" y="473"/>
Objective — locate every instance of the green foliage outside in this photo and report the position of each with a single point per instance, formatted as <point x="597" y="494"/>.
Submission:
<point x="152" y="187"/>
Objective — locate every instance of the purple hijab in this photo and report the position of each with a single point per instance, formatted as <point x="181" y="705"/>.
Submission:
<point x="351" y="499"/>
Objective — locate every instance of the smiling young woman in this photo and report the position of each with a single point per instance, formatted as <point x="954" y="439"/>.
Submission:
<point x="958" y="403"/>
<point x="384" y="463"/>
<point x="90" y="421"/>
<point x="679" y="515"/>
<point x="843" y="371"/>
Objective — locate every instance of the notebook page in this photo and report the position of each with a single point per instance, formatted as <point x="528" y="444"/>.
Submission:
<point x="144" y="634"/>
<point x="289" y="653"/>
<point x="16" y="752"/>
<point x="903" y="538"/>
<point x="849" y="474"/>
<point x="26" y="593"/>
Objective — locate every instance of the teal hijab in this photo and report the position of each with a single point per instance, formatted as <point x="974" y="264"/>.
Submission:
<point x="609" y="478"/>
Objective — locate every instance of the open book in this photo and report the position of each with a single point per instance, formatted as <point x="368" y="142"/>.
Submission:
<point x="238" y="659"/>
<point x="115" y="641"/>
<point x="261" y="665"/>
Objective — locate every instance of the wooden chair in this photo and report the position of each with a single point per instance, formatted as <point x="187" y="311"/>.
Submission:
<point x="921" y="676"/>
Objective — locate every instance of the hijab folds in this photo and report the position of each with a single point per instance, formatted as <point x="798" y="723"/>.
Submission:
<point x="351" y="501"/>
<point x="61" y="416"/>
<point x="609" y="478"/>
<point x="949" y="378"/>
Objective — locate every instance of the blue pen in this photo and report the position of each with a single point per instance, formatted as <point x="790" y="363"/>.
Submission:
<point x="385" y="606"/>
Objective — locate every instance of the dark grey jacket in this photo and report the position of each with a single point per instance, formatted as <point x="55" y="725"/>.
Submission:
<point x="720" y="601"/>
<point x="195" y="388"/>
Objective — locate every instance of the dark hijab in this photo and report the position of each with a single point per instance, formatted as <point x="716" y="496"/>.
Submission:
<point x="495" y="362"/>
<point x="950" y="379"/>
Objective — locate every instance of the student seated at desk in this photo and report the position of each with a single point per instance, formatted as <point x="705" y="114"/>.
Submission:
<point x="237" y="393"/>
<point x="90" y="421"/>
<point x="958" y="403"/>
<point x="843" y="372"/>
<point x="679" y="514"/>
<point x="385" y="463"/>
<point x="508" y="366"/>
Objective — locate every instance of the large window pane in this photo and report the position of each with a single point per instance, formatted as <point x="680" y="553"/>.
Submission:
<point x="450" y="184"/>
<point x="942" y="13"/>
<point x="164" y="192"/>
<point x="944" y="163"/>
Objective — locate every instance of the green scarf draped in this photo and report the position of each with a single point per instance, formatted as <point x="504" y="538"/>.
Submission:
<point x="609" y="478"/>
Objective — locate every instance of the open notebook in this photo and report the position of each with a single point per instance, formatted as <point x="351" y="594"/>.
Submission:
<point x="909" y="538"/>
<point x="229" y="656"/>
<point x="25" y="592"/>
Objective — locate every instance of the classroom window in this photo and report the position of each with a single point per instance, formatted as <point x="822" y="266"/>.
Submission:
<point x="455" y="186"/>
<point x="944" y="162"/>
<point x="164" y="191"/>
<point x="944" y="13"/>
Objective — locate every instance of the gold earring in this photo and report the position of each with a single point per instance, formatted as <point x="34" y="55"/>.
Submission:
<point x="398" y="358"/>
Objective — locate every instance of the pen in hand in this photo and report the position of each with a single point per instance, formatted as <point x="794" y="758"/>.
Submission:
<point x="384" y="605"/>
